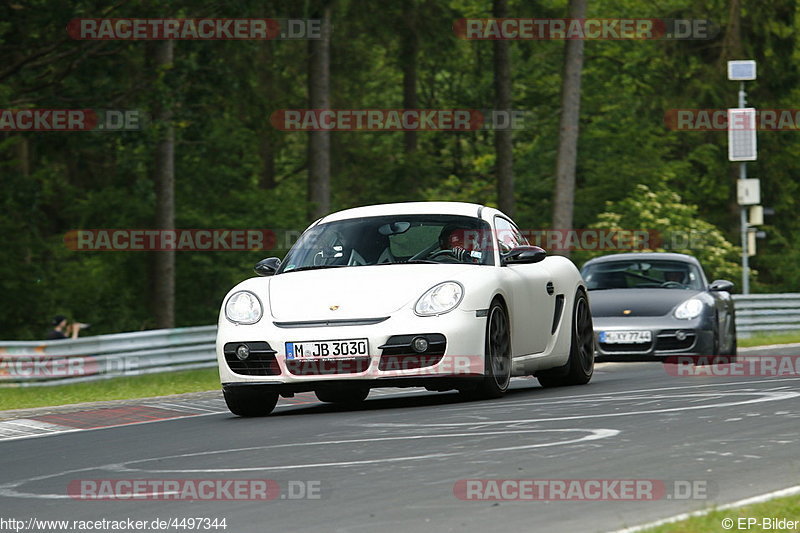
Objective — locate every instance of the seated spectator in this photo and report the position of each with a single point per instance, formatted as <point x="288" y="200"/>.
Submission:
<point x="62" y="329"/>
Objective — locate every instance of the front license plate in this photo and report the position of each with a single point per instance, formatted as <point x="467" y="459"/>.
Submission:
<point x="625" y="337"/>
<point x="315" y="349"/>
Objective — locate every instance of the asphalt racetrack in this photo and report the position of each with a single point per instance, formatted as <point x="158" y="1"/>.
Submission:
<point x="401" y="461"/>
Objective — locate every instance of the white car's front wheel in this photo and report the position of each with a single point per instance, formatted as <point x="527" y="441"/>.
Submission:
<point x="351" y="396"/>
<point x="250" y="401"/>
<point x="497" y="355"/>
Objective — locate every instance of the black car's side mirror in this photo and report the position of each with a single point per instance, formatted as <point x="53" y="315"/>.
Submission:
<point x="721" y="285"/>
<point x="268" y="266"/>
<point x="522" y="255"/>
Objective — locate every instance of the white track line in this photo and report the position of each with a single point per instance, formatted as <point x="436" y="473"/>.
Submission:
<point x="790" y="491"/>
<point x="9" y="426"/>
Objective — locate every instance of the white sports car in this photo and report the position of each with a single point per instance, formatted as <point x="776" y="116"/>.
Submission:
<point x="441" y="295"/>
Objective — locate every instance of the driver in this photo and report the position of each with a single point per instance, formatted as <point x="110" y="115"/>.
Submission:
<point x="453" y="238"/>
<point x="676" y="276"/>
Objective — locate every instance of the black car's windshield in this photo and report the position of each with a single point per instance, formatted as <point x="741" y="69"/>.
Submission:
<point x="390" y="240"/>
<point x="638" y="274"/>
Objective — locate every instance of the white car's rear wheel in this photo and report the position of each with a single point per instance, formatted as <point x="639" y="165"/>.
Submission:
<point x="580" y="365"/>
<point x="249" y="402"/>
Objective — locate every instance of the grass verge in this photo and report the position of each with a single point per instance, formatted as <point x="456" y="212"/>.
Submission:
<point x="780" y="508"/>
<point x="111" y="389"/>
<point x="764" y="339"/>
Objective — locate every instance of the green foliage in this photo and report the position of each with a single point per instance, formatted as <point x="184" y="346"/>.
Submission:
<point x="673" y="226"/>
<point x="786" y="508"/>
<point x="218" y="92"/>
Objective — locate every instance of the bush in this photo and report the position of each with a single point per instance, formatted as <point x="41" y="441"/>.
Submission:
<point x="674" y="227"/>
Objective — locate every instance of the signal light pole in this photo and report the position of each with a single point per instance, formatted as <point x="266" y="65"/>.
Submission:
<point x="742" y="125"/>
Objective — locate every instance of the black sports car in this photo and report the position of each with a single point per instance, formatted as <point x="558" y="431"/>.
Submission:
<point x="655" y="305"/>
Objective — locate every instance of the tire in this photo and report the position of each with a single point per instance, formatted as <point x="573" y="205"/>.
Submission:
<point x="349" y="396"/>
<point x="715" y="346"/>
<point x="718" y="354"/>
<point x="497" y="359"/>
<point x="250" y="402"/>
<point x="580" y="365"/>
<point x="733" y="345"/>
<point x="717" y="357"/>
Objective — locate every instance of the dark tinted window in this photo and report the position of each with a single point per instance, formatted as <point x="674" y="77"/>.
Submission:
<point x="626" y="274"/>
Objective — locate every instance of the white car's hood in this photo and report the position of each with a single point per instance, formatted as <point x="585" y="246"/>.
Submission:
<point x="359" y="292"/>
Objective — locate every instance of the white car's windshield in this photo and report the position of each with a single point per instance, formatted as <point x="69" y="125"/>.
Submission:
<point x="642" y="275"/>
<point x="392" y="239"/>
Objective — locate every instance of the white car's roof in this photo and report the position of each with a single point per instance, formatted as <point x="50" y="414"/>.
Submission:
<point x="407" y="208"/>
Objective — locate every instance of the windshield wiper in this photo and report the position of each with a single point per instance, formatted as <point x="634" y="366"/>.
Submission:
<point x="312" y="267"/>
<point x="409" y="262"/>
<point x="412" y="262"/>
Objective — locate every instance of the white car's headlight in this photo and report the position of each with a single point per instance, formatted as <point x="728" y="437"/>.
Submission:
<point x="243" y="307"/>
<point x="689" y="309"/>
<point x="440" y="299"/>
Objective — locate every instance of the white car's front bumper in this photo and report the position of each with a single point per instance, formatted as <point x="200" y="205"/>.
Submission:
<point x="463" y="333"/>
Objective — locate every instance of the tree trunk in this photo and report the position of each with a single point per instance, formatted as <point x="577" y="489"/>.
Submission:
<point x="319" y="143"/>
<point x="267" y="139"/>
<point x="566" y="157"/>
<point x="732" y="43"/>
<point x="409" y="48"/>
<point x="732" y="50"/>
<point x="267" y="181"/>
<point x="503" y="146"/>
<point x="24" y="156"/>
<point x="163" y="286"/>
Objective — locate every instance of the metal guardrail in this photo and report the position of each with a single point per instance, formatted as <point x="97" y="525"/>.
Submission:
<point x="29" y="363"/>
<point x="26" y="363"/>
<point x="766" y="313"/>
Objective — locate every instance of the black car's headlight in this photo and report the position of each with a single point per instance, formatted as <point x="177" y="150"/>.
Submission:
<point x="243" y="307"/>
<point x="689" y="309"/>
